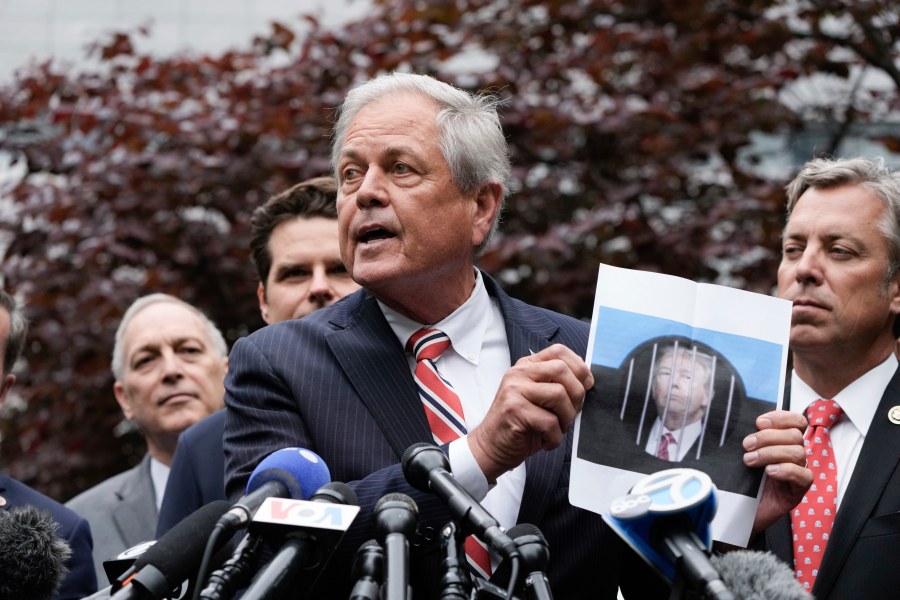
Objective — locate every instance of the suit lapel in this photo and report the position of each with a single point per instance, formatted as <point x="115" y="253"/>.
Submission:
<point x="529" y="330"/>
<point x="135" y="512"/>
<point x="376" y="365"/>
<point x="877" y="461"/>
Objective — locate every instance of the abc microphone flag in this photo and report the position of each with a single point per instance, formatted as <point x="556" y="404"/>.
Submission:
<point x="666" y="519"/>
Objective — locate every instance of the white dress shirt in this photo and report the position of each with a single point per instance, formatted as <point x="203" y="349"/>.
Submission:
<point x="159" y="475"/>
<point x="686" y="435"/>
<point x="474" y="365"/>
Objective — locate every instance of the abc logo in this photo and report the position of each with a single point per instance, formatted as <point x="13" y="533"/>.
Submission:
<point x="674" y="490"/>
<point x="630" y="506"/>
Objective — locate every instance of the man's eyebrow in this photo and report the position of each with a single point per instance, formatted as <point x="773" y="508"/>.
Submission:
<point x="390" y="151"/>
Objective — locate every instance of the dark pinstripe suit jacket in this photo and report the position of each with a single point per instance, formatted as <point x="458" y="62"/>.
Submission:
<point x="863" y="553"/>
<point x="338" y="382"/>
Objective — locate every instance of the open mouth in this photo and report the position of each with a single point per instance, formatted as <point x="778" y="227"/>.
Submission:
<point x="372" y="235"/>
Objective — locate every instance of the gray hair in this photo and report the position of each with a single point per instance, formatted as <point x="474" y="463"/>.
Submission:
<point x="18" y="329"/>
<point x="118" y="358"/>
<point x="869" y="173"/>
<point x="470" y="136"/>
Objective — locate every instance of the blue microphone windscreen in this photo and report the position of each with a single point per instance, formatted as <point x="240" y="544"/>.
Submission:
<point x="301" y="470"/>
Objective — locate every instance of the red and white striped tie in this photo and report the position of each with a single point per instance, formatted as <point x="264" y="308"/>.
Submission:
<point x="445" y="415"/>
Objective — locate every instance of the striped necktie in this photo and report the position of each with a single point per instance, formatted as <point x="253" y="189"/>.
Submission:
<point x="812" y="519"/>
<point x="665" y="444"/>
<point x="445" y="415"/>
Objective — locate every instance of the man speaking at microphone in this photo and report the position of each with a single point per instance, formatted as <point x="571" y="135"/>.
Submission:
<point x="422" y="171"/>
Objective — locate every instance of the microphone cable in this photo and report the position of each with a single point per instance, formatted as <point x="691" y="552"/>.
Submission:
<point x="235" y="572"/>
<point x="211" y="544"/>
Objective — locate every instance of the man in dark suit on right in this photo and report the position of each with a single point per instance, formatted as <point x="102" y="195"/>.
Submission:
<point x="840" y="261"/>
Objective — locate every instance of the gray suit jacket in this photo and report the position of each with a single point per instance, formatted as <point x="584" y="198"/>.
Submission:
<point x="121" y="511"/>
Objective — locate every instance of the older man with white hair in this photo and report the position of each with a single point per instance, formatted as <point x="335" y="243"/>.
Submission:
<point x="169" y="362"/>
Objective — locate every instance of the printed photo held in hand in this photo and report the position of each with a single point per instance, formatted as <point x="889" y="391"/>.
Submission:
<point x="682" y="370"/>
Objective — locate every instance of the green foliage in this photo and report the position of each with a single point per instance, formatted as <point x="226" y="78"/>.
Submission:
<point x="629" y="124"/>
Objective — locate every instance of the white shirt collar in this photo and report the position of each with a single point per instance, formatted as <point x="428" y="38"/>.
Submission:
<point x="859" y="400"/>
<point x="159" y="475"/>
<point x="465" y="326"/>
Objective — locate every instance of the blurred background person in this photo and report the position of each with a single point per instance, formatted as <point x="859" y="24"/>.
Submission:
<point x="294" y="246"/>
<point x="80" y="579"/>
<point x="169" y="363"/>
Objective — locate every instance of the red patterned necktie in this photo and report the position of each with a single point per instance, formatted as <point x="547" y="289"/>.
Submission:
<point x="663" y="450"/>
<point x="445" y="415"/>
<point x="811" y="520"/>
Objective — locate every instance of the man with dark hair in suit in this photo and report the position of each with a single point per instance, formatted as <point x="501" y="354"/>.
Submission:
<point x="80" y="580"/>
<point x="294" y="246"/>
<point x="841" y="268"/>
<point x="422" y="170"/>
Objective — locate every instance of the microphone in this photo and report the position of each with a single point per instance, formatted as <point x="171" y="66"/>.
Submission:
<point x="285" y="473"/>
<point x="535" y="555"/>
<point x="396" y="519"/>
<point x="367" y="572"/>
<point x="309" y="531"/>
<point x="427" y="469"/>
<point x="456" y="583"/>
<point x="32" y="556"/>
<point x="120" y="563"/>
<point x="754" y="575"/>
<point x="665" y="519"/>
<point x="289" y="472"/>
<point x="172" y="559"/>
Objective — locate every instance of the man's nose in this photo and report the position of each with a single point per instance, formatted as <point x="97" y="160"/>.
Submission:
<point x="373" y="189"/>
<point x="808" y="268"/>
<point x="172" y="367"/>
<point x="320" y="289"/>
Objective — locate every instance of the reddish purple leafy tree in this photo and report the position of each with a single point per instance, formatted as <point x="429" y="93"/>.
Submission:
<point x="631" y="126"/>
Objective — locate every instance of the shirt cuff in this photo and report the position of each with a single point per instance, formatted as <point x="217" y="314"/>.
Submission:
<point x="466" y="470"/>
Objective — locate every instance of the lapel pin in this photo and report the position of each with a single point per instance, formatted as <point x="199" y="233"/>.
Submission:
<point x="894" y="415"/>
<point x="2" y="501"/>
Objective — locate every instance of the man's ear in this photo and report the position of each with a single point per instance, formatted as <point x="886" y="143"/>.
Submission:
<point x="263" y="305"/>
<point x="8" y="382"/>
<point x="487" y="204"/>
<point x="122" y="399"/>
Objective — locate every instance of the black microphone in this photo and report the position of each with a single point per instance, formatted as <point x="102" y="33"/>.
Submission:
<point x="665" y="518"/>
<point x="115" y="566"/>
<point x="456" y="583"/>
<point x="535" y="555"/>
<point x="367" y="572"/>
<point x="308" y="531"/>
<point x="427" y="469"/>
<point x="32" y="556"/>
<point x="173" y="558"/>
<point x="396" y="519"/>
<point x="754" y="575"/>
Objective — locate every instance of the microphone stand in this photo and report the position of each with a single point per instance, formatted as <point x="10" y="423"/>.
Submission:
<point x="456" y="583"/>
<point x="471" y="588"/>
